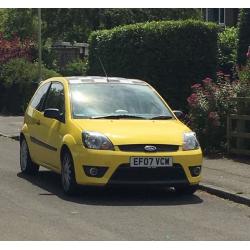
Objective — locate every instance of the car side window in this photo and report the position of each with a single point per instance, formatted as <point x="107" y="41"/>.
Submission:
<point x="39" y="97"/>
<point x="55" y="97"/>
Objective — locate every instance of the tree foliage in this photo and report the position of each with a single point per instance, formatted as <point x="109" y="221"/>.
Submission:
<point x="76" y="24"/>
<point x="244" y="36"/>
<point x="227" y="46"/>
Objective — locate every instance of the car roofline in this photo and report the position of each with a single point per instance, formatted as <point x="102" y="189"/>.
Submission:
<point x="101" y="79"/>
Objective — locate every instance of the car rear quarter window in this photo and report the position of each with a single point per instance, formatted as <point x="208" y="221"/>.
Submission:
<point x="39" y="97"/>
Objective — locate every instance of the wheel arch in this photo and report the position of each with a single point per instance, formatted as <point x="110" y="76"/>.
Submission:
<point x="64" y="149"/>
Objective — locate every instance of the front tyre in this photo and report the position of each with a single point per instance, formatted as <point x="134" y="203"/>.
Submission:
<point x="186" y="190"/>
<point x="69" y="184"/>
<point x="26" y="164"/>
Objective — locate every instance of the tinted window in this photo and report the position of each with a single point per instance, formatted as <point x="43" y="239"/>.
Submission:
<point x="39" y="97"/>
<point x="55" y="97"/>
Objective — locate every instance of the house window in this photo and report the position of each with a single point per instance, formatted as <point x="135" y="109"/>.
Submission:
<point x="216" y="15"/>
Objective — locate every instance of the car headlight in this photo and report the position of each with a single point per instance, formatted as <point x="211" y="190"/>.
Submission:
<point x="96" y="140"/>
<point x="190" y="141"/>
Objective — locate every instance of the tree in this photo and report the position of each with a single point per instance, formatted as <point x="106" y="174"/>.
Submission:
<point x="19" y="22"/>
<point x="114" y="17"/>
<point x="244" y="36"/>
<point x="76" y="24"/>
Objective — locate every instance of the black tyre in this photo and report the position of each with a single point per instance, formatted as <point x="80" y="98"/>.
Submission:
<point x="69" y="184"/>
<point x="26" y="164"/>
<point x="186" y="190"/>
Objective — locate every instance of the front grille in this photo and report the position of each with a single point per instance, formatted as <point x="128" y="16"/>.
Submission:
<point x="134" y="175"/>
<point x="141" y="147"/>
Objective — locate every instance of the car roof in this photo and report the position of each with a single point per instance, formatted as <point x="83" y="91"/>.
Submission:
<point x="101" y="79"/>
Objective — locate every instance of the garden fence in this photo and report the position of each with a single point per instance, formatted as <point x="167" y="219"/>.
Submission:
<point x="238" y="128"/>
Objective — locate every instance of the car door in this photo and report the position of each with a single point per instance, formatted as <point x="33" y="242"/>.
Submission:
<point x="33" y="117"/>
<point x="52" y="130"/>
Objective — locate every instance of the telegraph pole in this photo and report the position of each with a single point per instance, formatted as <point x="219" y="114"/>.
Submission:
<point x="39" y="45"/>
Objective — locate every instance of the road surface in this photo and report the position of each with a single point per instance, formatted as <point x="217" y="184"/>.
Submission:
<point x="34" y="208"/>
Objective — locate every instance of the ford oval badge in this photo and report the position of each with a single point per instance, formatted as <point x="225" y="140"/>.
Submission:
<point x="150" y="148"/>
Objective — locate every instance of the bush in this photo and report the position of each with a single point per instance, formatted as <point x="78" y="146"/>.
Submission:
<point x="19" y="79"/>
<point x="244" y="78"/>
<point x="167" y="54"/>
<point x="14" y="48"/>
<point x="209" y="106"/>
<point x="227" y="45"/>
<point x="244" y="36"/>
<point x="75" y="68"/>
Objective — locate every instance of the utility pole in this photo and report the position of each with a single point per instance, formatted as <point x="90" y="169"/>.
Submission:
<point x="39" y="45"/>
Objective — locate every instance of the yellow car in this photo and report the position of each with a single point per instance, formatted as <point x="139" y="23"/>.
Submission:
<point x="108" y="131"/>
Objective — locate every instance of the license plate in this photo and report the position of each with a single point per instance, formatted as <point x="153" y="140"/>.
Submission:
<point x="151" y="162"/>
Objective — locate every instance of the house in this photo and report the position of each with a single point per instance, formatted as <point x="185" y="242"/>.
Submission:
<point x="222" y="16"/>
<point x="67" y="52"/>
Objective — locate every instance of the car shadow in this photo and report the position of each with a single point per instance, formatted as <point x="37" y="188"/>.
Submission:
<point x="50" y="183"/>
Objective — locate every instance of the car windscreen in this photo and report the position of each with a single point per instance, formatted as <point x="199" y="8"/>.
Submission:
<point x="104" y="100"/>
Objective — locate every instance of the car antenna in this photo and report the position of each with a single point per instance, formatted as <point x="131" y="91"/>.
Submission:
<point x="102" y="66"/>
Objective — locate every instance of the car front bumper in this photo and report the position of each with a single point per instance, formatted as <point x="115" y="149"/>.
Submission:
<point x="118" y="170"/>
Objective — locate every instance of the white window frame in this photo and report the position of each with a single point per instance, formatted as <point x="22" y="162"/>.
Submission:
<point x="224" y="21"/>
<point x="219" y="20"/>
<point x="207" y="14"/>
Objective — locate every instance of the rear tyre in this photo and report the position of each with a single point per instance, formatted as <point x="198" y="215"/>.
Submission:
<point x="26" y="164"/>
<point x="68" y="180"/>
<point x="186" y="190"/>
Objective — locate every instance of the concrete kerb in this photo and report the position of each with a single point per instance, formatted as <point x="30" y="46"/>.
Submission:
<point x="225" y="194"/>
<point x="14" y="137"/>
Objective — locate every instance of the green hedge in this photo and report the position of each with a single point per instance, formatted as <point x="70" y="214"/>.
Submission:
<point x="18" y="81"/>
<point x="170" y="55"/>
<point x="244" y="36"/>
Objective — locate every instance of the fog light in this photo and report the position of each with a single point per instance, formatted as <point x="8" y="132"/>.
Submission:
<point x="195" y="170"/>
<point x="94" y="171"/>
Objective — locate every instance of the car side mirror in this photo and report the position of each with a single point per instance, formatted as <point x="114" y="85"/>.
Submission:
<point x="52" y="113"/>
<point x="179" y="114"/>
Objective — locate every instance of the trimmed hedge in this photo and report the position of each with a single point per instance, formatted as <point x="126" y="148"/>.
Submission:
<point x="170" y="55"/>
<point x="244" y="36"/>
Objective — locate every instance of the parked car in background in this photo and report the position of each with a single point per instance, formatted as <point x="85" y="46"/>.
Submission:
<point x="108" y="131"/>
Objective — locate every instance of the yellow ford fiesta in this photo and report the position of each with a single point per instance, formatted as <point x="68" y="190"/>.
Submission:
<point x="108" y="131"/>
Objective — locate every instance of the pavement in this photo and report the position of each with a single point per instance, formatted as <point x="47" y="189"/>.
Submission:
<point x="226" y="178"/>
<point x="10" y="126"/>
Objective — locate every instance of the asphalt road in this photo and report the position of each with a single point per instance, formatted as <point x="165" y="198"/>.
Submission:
<point x="34" y="208"/>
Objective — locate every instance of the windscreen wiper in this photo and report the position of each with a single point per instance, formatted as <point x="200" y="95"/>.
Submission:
<point x="117" y="117"/>
<point x="162" y="117"/>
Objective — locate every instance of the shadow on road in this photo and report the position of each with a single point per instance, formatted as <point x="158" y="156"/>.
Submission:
<point x="122" y="196"/>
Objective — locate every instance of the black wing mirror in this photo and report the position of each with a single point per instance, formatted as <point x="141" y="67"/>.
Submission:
<point x="179" y="114"/>
<point x="52" y="113"/>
